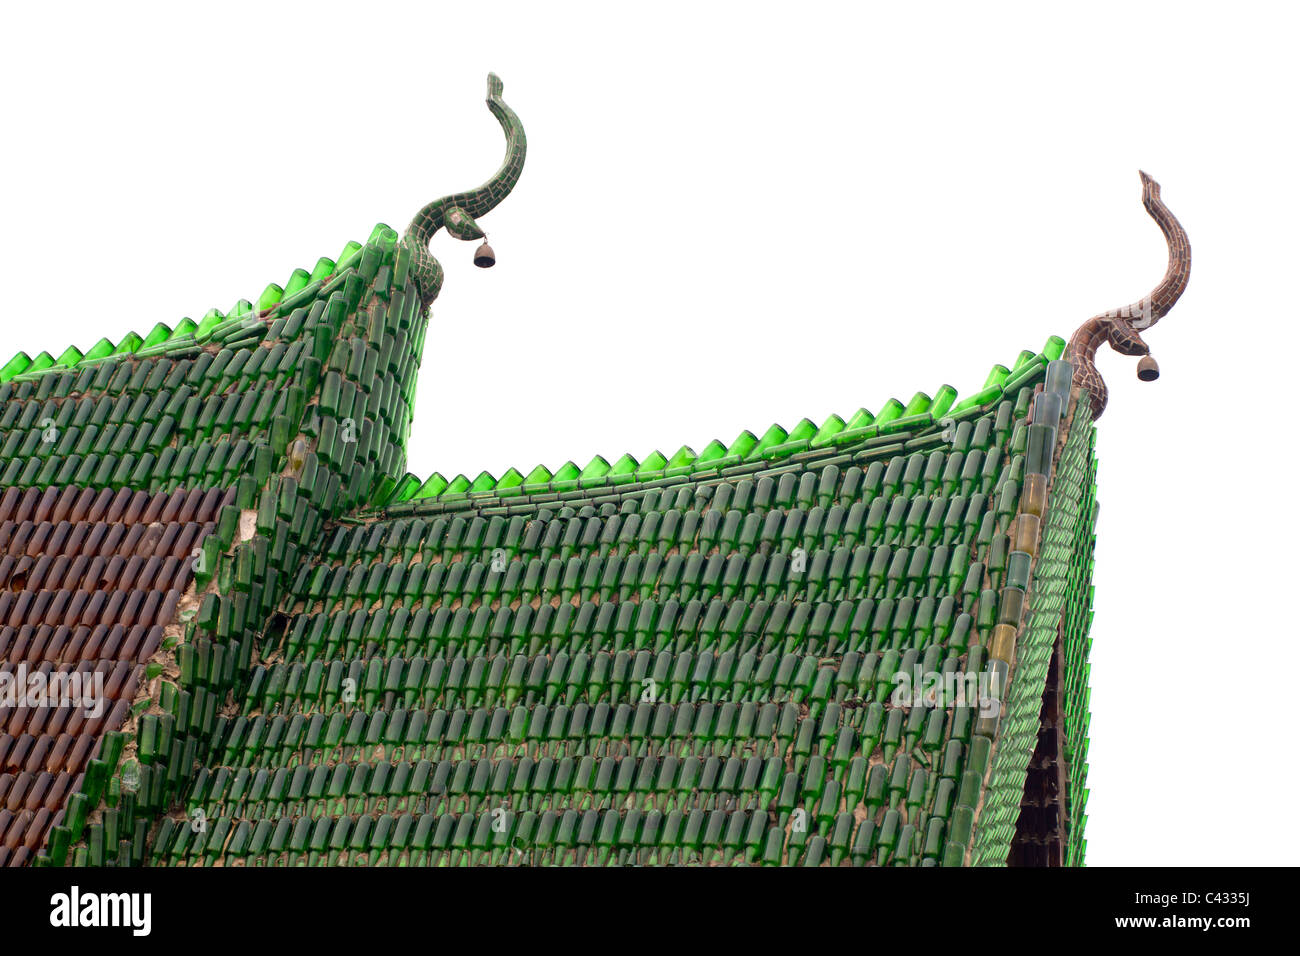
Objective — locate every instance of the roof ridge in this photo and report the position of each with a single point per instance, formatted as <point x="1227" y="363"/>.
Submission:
<point x="775" y="446"/>
<point x="229" y="329"/>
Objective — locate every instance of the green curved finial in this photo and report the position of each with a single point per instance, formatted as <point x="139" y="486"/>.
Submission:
<point x="458" y="212"/>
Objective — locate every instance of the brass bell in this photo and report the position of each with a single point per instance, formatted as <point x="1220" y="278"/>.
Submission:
<point x="1148" y="370"/>
<point x="484" y="257"/>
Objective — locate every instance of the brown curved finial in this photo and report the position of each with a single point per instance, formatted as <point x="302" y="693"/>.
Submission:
<point x="1120" y="327"/>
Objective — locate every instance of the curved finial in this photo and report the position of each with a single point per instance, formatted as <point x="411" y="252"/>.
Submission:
<point x="458" y="212"/>
<point x="1120" y="327"/>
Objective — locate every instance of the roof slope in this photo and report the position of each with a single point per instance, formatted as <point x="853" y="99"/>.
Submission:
<point x="698" y="668"/>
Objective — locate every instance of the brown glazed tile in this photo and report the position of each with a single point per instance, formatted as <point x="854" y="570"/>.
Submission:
<point x="76" y="607"/>
<point x="143" y="607"/>
<point x="153" y="507"/>
<point x="94" y="610"/>
<point x="39" y="606"/>
<point x="48" y="500"/>
<point x="94" y="640"/>
<point x="115" y="537"/>
<point x="17" y="641"/>
<point x="168" y="602"/>
<point x="172" y="571"/>
<point x="129" y="649"/>
<point x="76" y="643"/>
<point x="8" y="502"/>
<point x="16" y="757"/>
<point x="66" y="502"/>
<point x="181" y="507"/>
<point x="39" y="754"/>
<point x="58" y="641"/>
<point x="111" y="613"/>
<point x="58" y="790"/>
<point x="36" y="639"/>
<point x="74" y="571"/>
<point x="16" y="831"/>
<point x="105" y="573"/>
<point x="58" y="605"/>
<point x="99" y="507"/>
<point x="154" y="636"/>
<point x="57" y="756"/>
<point x="36" y="792"/>
<point x="167" y="543"/>
<point x="189" y="538"/>
<point x="83" y="747"/>
<point x="22" y="532"/>
<point x="19" y="718"/>
<point x="76" y="543"/>
<point x="59" y="532"/>
<point x="39" y="720"/>
<point x="150" y="567"/>
<point x="113" y="637"/>
<point x="18" y="605"/>
<point x="36" y="831"/>
<point x="57" y="719"/>
<point x="212" y="503"/>
<point x="134" y="511"/>
<point x="40" y="534"/>
<point x="115" y="682"/>
<point x="27" y="504"/>
<point x="18" y="792"/>
<point x="94" y="541"/>
<point x="128" y="571"/>
<point x="81" y="504"/>
<point x="40" y="570"/>
<point x="75" y="722"/>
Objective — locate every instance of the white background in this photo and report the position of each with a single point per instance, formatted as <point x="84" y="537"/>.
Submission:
<point x="737" y="215"/>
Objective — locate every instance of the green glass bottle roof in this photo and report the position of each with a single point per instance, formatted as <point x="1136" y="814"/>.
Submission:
<point x="815" y="644"/>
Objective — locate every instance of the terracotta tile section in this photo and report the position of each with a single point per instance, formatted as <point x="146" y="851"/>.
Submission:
<point x="89" y="578"/>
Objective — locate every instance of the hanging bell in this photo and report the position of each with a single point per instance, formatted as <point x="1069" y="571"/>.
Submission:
<point x="484" y="257"/>
<point x="1148" y="370"/>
